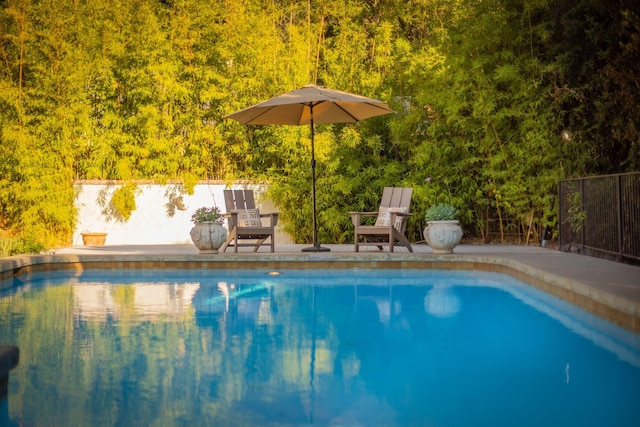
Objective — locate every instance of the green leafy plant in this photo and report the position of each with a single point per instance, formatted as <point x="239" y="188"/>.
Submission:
<point x="205" y="214"/>
<point x="441" y="212"/>
<point x="121" y="204"/>
<point x="576" y="215"/>
<point x="10" y="246"/>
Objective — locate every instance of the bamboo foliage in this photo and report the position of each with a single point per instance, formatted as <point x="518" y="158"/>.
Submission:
<point x="496" y="100"/>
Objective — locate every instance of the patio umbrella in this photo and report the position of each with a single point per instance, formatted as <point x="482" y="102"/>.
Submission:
<point x="307" y="106"/>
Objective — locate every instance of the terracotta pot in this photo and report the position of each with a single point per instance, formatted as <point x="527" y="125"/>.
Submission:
<point x="443" y="236"/>
<point x="94" y="239"/>
<point x="208" y="236"/>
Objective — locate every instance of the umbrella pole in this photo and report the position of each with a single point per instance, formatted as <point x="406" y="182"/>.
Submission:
<point x="316" y="246"/>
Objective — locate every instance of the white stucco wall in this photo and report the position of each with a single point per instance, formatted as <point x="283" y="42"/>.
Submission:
<point x="149" y="223"/>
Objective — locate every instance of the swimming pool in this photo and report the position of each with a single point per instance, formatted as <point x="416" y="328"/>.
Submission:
<point x="385" y="347"/>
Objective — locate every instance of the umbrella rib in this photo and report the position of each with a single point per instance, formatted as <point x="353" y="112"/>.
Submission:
<point x="346" y="112"/>
<point x="354" y="117"/>
<point x="262" y="113"/>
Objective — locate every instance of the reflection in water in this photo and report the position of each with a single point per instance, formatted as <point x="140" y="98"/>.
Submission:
<point x="370" y="348"/>
<point x="441" y="301"/>
<point x="149" y="301"/>
<point x="223" y="287"/>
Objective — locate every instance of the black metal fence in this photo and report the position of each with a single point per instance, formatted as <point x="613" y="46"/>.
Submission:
<point x="600" y="216"/>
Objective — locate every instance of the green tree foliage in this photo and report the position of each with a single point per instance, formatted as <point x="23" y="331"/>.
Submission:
<point x="496" y="101"/>
<point x="596" y="47"/>
<point x="479" y="119"/>
<point x="41" y="121"/>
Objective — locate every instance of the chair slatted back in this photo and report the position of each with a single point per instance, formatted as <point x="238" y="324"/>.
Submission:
<point x="396" y="197"/>
<point x="239" y="200"/>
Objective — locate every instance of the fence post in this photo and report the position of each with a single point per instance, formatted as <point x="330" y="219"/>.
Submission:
<point x="619" y="206"/>
<point x="560" y="215"/>
<point x="583" y="227"/>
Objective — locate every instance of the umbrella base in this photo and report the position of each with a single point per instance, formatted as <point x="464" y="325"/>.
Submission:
<point x="316" y="248"/>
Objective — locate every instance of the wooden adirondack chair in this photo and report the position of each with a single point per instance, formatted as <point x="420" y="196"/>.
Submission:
<point x="246" y="222"/>
<point x="390" y="223"/>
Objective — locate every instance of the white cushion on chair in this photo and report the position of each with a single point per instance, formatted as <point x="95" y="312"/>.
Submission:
<point x="384" y="217"/>
<point x="249" y="218"/>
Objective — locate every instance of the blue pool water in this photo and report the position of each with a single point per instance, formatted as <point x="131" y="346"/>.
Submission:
<point x="346" y="348"/>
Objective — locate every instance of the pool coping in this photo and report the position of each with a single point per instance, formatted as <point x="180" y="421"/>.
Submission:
<point x="617" y="309"/>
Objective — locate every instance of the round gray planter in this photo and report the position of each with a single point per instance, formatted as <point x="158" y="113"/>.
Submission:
<point x="208" y="236"/>
<point x="443" y="236"/>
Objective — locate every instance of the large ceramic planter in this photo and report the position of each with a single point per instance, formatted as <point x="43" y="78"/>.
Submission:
<point x="208" y="236"/>
<point x="94" y="239"/>
<point x="443" y="236"/>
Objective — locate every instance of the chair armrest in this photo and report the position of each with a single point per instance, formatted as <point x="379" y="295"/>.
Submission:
<point x="393" y="215"/>
<point x="273" y="218"/>
<point x="356" y="217"/>
<point x="364" y="213"/>
<point x="233" y="219"/>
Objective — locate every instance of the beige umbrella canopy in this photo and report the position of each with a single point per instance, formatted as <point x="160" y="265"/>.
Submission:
<point x="306" y="106"/>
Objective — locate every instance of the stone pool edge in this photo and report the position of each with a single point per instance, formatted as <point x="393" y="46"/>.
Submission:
<point x="614" y="308"/>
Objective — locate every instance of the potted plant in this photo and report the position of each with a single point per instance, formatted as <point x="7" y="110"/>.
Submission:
<point x="443" y="232"/>
<point x="208" y="233"/>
